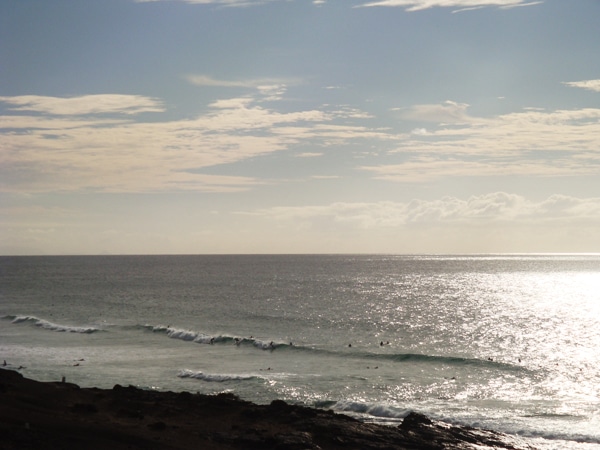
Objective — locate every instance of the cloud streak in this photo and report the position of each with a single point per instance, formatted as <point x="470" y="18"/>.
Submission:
<point x="52" y="150"/>
<point x="408" y="5"/>
<point x="418" y="5"/>
<point x="446" y="113"/>
<point x="93" y="143"/>
<point x="497" y="207"/>
<point x="529" y="143"/>
<point x="205" y="80"/>
<point x="232" y="3"/>
<point x="86" y="104"/>
<point x="590" y="85"/>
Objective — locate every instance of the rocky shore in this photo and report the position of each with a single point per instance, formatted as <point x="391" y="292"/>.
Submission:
<point x="53" y="415"/>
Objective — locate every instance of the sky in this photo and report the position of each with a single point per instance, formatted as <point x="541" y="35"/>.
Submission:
<point x="299" y="126"/>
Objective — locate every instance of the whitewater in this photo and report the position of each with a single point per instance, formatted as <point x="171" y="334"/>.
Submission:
<point x="504" y="342"/>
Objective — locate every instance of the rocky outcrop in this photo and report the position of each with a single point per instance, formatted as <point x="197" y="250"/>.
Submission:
<point x="62" y="415"/>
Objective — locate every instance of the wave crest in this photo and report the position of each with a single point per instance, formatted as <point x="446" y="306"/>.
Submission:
<point x="186" y="373"/>
<point x="371" y="409"/>
<point x="52" y="326"/>
<point x="202" y="338"/>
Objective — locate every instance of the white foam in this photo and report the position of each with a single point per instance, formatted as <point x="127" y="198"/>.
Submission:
<point x="185" y="335"/>
<point x="186" y="373"/>
<point x="265" y="346"/>
<point x="53" y="326"/>
<point x="371" y="409"/>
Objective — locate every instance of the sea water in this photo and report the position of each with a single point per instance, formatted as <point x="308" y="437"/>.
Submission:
<point x="505" y="342"/>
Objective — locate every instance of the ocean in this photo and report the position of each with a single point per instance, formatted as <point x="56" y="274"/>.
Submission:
<point x="505" y="342"/>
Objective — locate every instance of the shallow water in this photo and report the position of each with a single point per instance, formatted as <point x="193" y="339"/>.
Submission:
<point x="507" y="342"/>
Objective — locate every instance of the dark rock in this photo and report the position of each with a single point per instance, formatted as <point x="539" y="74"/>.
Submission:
<point x="85" y="408"/>
<point x="415" y="419"/>
<point x="157" y="426"/>
<point x="60" y="415"/>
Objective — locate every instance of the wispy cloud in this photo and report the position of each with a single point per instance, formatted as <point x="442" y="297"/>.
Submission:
<point x="61" y="146"/>
<point x="205" y="80"/>
<point x="446" y="113"/>
<point x="462" y="5"/>
<point x="409" y="5"/>
<point x="488" y="208"/>
<point x="521" y="4"/>
<point x="93" y="142"/>
<point x="86" y="104"/>
<point x="232" y="3"/>
<point x="426" y="169"/>
<point x="308" y="155"/>
<point x="271" y="88"/>
<point x="529" y="143"/>
<point x="590" y="85"/>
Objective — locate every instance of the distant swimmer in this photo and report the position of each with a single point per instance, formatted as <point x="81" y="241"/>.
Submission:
<point x="4" y="363"/>
<point x="212" y="340"/>
<point x="381" y="344"/>
<point x="349" y="345"/>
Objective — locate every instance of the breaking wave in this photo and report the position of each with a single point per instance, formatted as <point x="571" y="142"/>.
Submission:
<point x="203" y="338"/>
<point x="268" y="345"/>
<point x="371" y="409"/>
<point x="41" y="323"/>
<point x="186" y="373"/>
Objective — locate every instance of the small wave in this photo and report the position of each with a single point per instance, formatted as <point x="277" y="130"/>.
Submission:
<point x="214" y="377"/>
<point x="184" y="335"/>
<point x="202" y="338"/>
<point x="558" y="440"/>
<point x="371" y="409"/>
<point x="266" y="345"/>
<point x="440" y="359"/>
<point x="435" y="358"/>
<point x="52" y="326"/>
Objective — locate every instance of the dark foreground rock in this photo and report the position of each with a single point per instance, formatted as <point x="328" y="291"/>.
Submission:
<point x="62" y="415"/>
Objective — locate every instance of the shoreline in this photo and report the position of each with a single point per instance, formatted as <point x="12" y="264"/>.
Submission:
<point x="59" y="414"/>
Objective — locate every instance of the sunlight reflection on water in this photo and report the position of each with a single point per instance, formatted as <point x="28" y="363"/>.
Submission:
<point x="507" y="342"/>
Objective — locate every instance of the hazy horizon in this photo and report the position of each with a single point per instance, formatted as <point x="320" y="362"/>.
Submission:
<point x="299" y="127"/>
<point x="391" y="255"/>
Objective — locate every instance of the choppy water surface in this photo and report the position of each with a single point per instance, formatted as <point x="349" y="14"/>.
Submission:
<point x="508" y="342"/>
